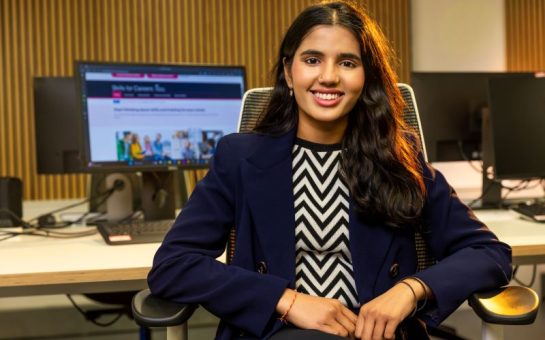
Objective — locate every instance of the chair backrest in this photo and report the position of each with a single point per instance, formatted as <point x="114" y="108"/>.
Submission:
<point x="410" y="114"/>
<point x="412" y="119"/>
<point x="254" y="103"/>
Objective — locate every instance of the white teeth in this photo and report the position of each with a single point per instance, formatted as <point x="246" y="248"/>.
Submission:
<point x="326" y="96"/>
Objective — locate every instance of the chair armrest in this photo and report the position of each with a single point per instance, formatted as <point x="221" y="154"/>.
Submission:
<point x="151" y="311"/>
<point x="511" y="305"/>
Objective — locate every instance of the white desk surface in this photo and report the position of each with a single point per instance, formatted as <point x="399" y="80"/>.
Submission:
<point x="31" y="265"/>
<point x="32" y="253"/>
<point x="527" y="238"/>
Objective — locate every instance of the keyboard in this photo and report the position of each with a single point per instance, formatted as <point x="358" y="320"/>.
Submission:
<point x="134" y="232"/>
<point x="534" y="211"/>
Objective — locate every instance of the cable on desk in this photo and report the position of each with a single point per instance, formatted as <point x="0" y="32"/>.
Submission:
<point x="59" y="234"/>
<point x="68" y="223"/>
<point x="24" y="224"/>
<point x="117" y="185"/>
<point x="132" y="216"/>
<point x="485" y="191"/>
<point x="465" y="158"/>
<point x="522" y="185"/>
<point x="93" y="316"/>
<point x="44" y="232"/>
<point x="60" y="209"/>
<point x="532" y="280"/>
<point x="7" y="237"/>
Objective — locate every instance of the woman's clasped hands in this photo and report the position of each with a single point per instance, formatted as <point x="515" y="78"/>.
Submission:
<point x="378" y="319"/>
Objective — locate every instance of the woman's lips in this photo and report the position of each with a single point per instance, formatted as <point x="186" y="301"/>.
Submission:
<point x="327" y="99"/>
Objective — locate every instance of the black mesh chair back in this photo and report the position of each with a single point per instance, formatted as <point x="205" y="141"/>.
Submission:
<point x="254" y="103"/>
<point x="412" y="119"/>
<point x="410" y="114"/>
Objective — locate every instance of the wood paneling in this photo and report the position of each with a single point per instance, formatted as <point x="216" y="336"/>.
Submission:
<point x="393" y="17"/>
<point x="44" y="37"/>
<point x="525" y="34"/>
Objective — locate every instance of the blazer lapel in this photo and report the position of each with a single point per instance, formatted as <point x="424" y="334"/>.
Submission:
<point x="268" y="185"/>
<point x="267" y="180"/>
<point x="369" y="245"/>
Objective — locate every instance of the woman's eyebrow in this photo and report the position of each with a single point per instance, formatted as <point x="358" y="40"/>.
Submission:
<point x="349" y="56"/>
<point x="345" y="55"/>
<point x="313" y="52"/>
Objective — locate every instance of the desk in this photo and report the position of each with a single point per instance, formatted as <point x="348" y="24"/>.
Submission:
<point x="31" y="265"/>
<point x="527" y="238"/>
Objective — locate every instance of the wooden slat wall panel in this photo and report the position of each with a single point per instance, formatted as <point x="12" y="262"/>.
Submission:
<point x="525" y="34"/>
<point x="44" y="37"/>
<point x="393" y="17"/>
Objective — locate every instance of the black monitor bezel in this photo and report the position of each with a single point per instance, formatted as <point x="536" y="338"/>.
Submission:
<point x="503" y="174"/>
<point x="57" y="151"/>
<point x="118" y="166"/>
<point x="426" y="117"/>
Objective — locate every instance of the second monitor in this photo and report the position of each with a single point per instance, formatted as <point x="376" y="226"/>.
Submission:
<point x="155" y="119"/>
<point x="451" y="106"/>
<point x="518" y="127"/>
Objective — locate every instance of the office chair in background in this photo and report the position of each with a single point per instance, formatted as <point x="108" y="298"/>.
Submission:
<point x="511" y="305"/>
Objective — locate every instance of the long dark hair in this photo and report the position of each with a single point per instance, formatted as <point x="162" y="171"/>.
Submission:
<point x="379" y="160"/>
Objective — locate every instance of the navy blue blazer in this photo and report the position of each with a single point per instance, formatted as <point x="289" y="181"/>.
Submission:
<point x="249" y="185"/>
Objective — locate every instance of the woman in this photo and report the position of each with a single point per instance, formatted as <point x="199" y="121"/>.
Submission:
<point x="326" y="197"/>
<point x="136" y="148"/>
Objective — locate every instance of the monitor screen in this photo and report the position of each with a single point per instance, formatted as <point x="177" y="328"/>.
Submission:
<point x="57" y="145"/>
<point x="517" y="117"/>
<point x="152" y="117"/>
<point x="451" y="105"/>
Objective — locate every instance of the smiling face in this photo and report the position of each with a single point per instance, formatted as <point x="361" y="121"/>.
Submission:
<point x="327" y="77"/>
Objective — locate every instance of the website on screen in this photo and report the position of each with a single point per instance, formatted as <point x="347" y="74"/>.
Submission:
<point x="149" y="118"/>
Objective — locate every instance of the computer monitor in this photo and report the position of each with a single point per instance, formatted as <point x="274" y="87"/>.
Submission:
<point x="57" y="125"/>
<point x="58" y="136"/>
<point x="451" y="106"/>
<point x="517" y="114"/>
<point x="155" y="119"/>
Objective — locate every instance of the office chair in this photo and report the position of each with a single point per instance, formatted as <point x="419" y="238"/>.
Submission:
<point x="511" y="305"/>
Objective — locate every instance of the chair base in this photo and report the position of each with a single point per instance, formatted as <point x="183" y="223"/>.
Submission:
<point x="177" y="332"/>
<point x="492" y="331"/>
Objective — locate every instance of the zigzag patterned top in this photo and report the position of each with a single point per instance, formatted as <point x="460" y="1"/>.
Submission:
<point x="323" y="259"/>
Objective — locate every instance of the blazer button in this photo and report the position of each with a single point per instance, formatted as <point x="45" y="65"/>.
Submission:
<point x="394" y="270"/>
<point x="262" y="267"/>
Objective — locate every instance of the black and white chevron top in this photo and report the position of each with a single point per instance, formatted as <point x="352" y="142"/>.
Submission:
<point x="323" y="259"/>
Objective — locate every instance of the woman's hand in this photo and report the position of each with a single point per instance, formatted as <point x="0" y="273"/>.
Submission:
<point x="313" y="312"/>
<point x="379" y="318"/>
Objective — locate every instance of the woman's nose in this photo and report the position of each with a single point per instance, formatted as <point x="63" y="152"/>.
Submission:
<point x="329" y="74"/>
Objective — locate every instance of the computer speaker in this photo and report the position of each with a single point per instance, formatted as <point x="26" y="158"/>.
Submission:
<point x="11" y="201"/>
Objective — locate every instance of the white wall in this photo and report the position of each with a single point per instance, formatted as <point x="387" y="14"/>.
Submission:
<point x="458" y="35"/>
<point x="461" y="35"/>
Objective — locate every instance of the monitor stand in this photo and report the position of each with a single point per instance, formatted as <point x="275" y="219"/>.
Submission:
<point x="122" y="203"/>
<point x="157" y="194"/>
